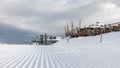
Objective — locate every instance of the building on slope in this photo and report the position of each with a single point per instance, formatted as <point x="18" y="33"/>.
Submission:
<point x="91" y="30"/>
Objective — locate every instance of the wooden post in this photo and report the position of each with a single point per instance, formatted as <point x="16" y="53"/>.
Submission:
<point x="79" y="24"/>
<point x="37" y="37"/>
<point x="68" y="34"/>
<point x="72" y="29"/>
<point x="45" y="39"/>
<point x="41" y="39"/>
<point x="79" y="27"/>
<point x="65" y="31"/>
<point x="101" y="35"/>
<point x="110" y="28"/>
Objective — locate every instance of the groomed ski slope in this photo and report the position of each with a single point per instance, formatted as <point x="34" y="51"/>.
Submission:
<point x="78" y="53"/>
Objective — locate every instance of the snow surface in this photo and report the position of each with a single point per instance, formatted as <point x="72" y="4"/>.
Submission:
<point x="80" y="52"/>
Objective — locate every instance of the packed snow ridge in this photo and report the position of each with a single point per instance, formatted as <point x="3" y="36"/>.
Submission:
<point x="80" y="52"/>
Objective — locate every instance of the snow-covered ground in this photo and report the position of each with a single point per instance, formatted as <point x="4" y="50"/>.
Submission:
<point x="80" y="52"/>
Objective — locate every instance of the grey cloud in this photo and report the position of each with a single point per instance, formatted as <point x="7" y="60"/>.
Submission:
<point x="12" y="35"/>
<point x="117" y="2"/>
<point x="50" y="21"/>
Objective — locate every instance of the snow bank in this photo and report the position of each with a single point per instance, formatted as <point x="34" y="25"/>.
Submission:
<point x="108" y="39"/>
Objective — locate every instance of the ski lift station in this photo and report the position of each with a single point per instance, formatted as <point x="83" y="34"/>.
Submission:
<point x="54" y="39"/>
<point x="97" y="25"/>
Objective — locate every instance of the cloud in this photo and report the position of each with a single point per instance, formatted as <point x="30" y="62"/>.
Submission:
<point x="12" y="35"/>
<point x="39" y="16"/>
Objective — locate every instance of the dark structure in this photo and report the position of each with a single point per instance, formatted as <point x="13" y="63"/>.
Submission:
<point x="44" y="39"/>
<point x="91" y="30"/>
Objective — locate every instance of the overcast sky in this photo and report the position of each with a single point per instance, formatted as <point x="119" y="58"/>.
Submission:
<point x="50" y="16"/>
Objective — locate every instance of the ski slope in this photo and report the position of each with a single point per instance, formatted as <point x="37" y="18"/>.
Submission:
<point x="78" y="53"/>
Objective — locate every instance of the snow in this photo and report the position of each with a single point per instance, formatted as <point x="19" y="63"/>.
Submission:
<point x="97" y="25"/>
<point x="82" y="52"/>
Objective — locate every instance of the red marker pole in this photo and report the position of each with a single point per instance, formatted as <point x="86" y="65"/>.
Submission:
<point x="101" y="30"/>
